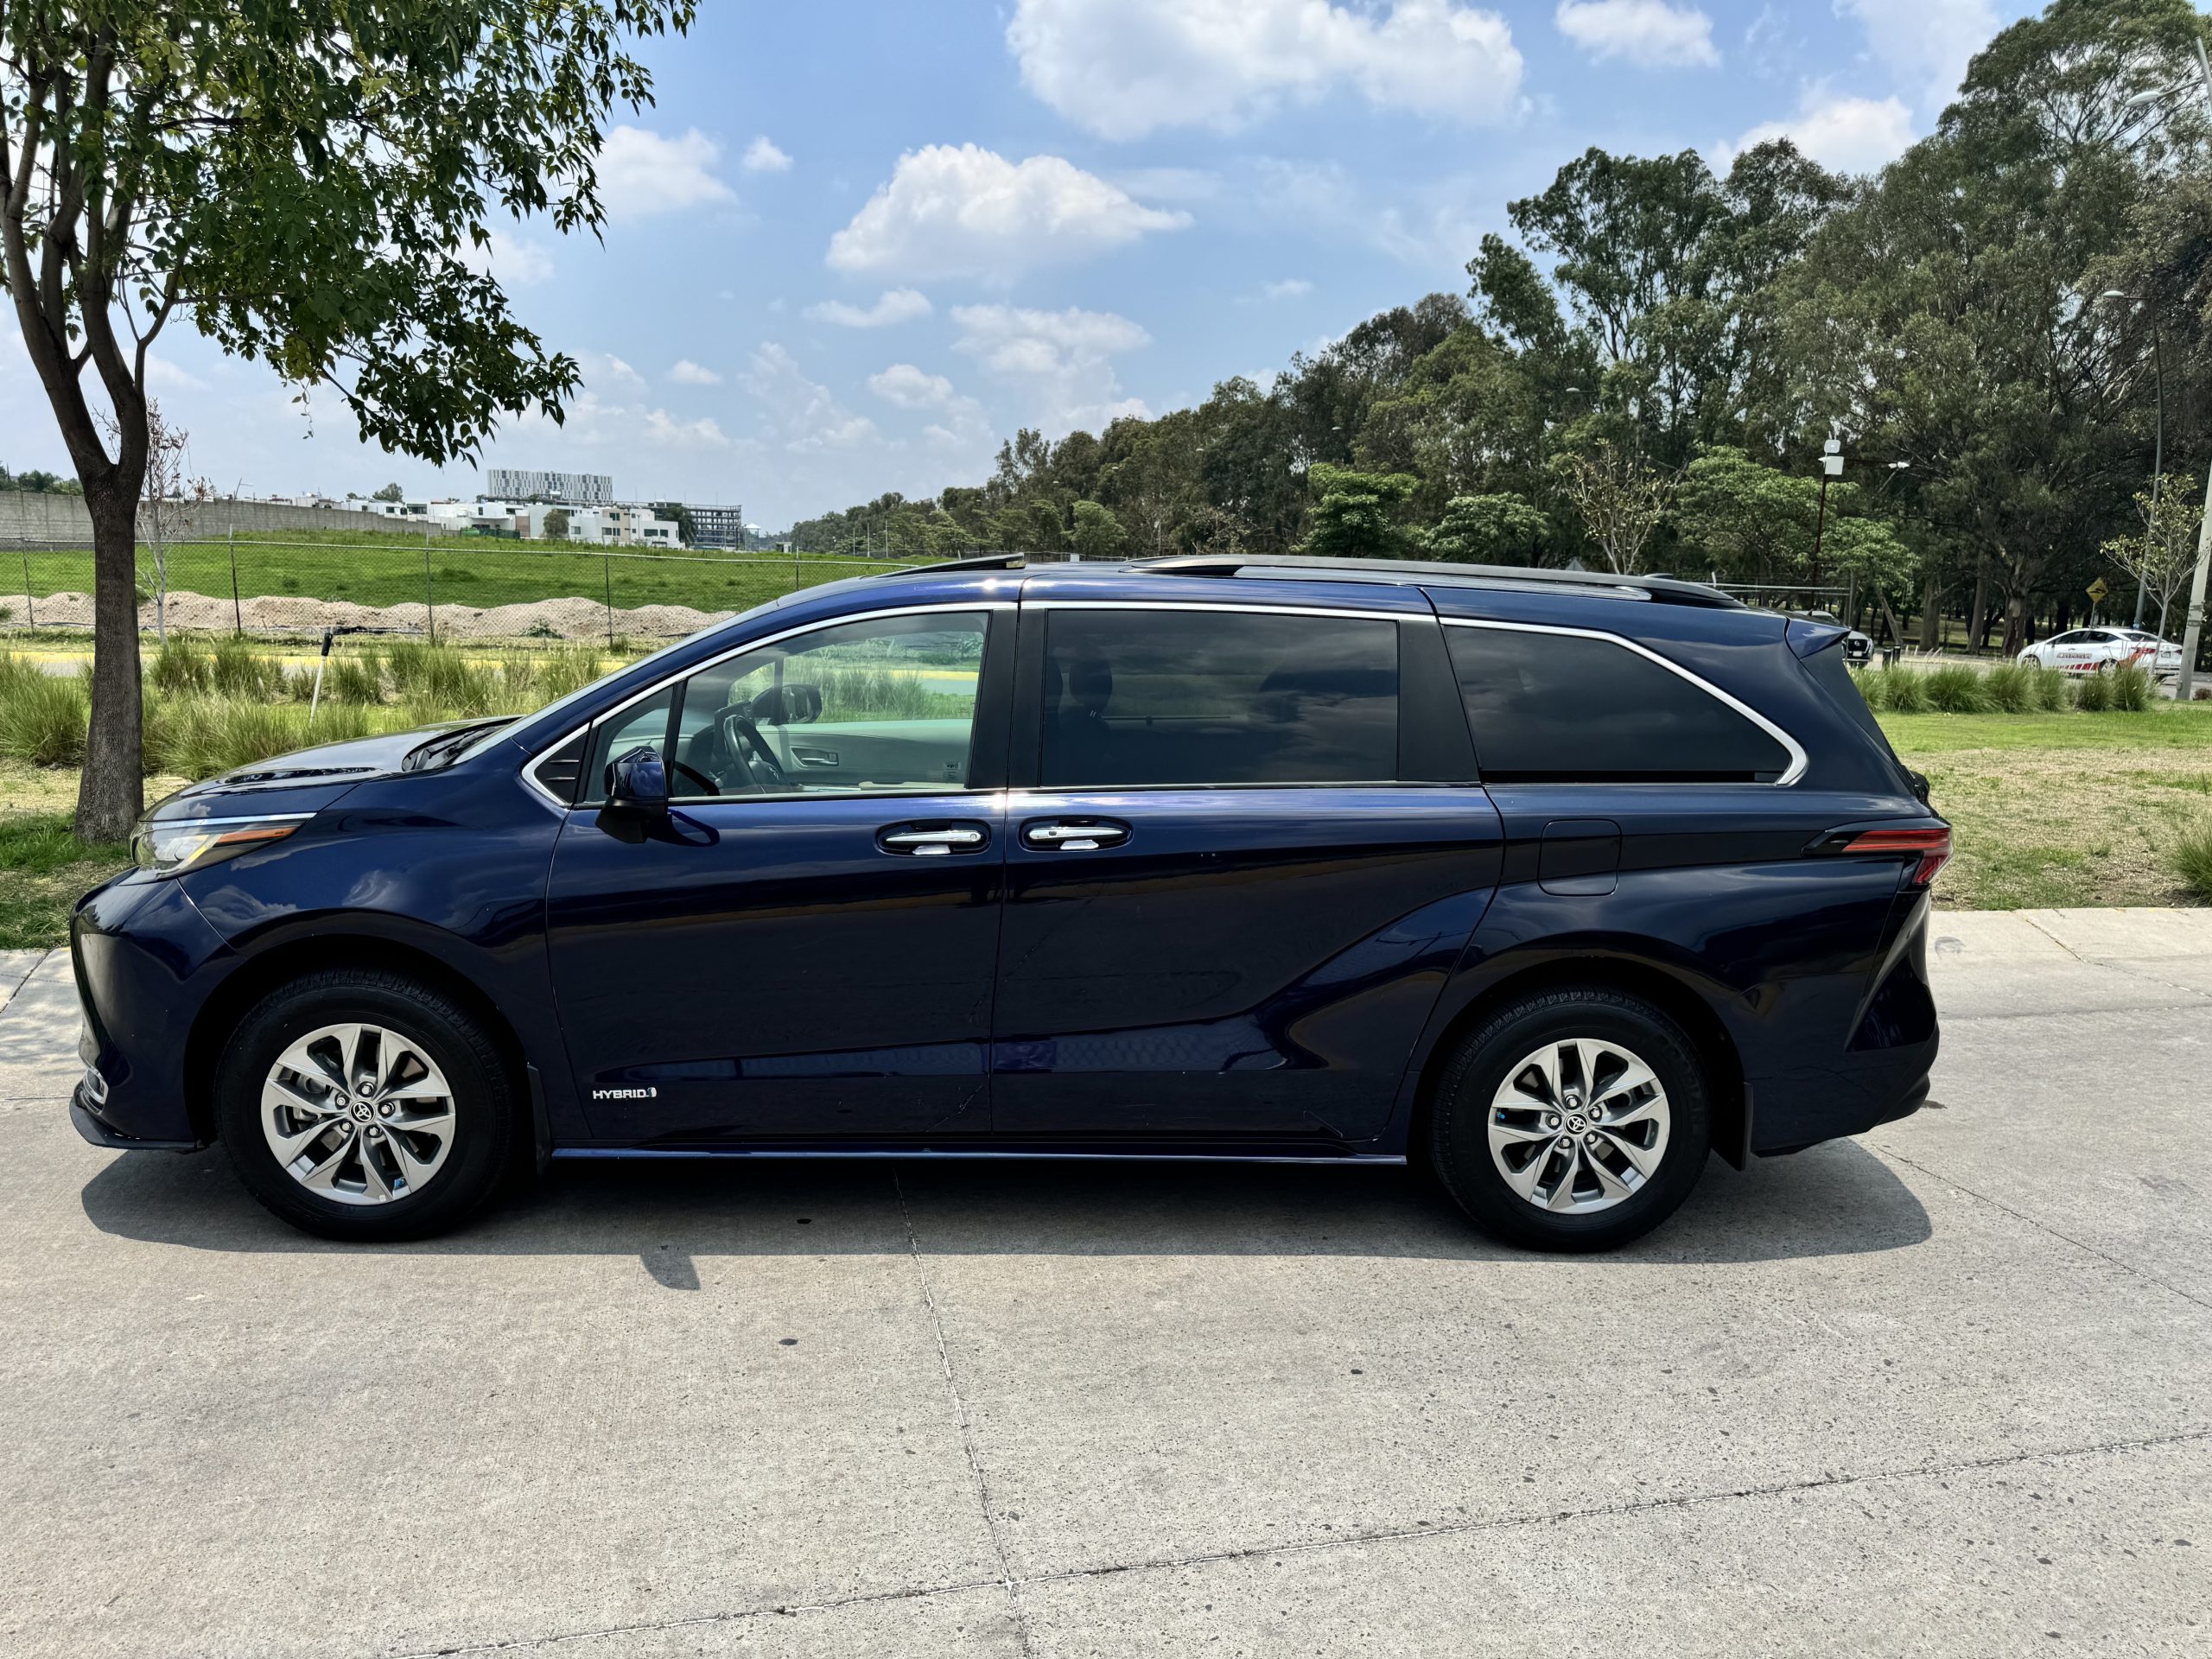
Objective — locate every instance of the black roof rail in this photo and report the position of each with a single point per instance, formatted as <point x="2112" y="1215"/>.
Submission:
<point x="1665" y="589"/>
<point x="980" y="561"/>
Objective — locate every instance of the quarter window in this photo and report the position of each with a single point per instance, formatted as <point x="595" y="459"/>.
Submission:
<point x="1197" y="697"/>
<point x="1556" y="707"/>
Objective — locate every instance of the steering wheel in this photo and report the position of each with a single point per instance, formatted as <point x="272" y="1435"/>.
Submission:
<point x="743" y="739"/>
<point x="693" y="773"/>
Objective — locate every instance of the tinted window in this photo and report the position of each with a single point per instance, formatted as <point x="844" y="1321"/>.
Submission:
<point x="1556" y="707"/>
<point x="1219" y="697"/>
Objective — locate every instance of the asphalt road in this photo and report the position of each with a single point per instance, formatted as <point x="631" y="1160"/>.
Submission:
<point x="1946" y="1390"/>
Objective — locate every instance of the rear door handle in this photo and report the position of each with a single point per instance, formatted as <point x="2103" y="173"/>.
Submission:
<point x="932" y="840"/>
<point x="1073" y="835"/>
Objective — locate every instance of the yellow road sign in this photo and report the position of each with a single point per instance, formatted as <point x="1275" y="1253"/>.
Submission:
<point x="2098" y="590"/>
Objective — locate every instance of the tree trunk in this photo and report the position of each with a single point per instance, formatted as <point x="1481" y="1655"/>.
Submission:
<point x="111" y="792"/>
<point x="1931" y="616"/>
<point x="2016" y="624"/>
<point x="1977" y="617"/>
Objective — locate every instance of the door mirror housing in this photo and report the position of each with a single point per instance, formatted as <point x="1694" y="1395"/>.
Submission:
<point x="637" y="795"/>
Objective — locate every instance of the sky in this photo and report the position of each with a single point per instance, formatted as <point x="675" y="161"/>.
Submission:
<point x="852" y="247"/>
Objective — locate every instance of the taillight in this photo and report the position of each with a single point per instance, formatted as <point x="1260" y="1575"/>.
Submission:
<point x="1932" y="846"/>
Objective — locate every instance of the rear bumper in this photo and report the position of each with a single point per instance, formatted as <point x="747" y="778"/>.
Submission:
<point x="1802" y="1108"/>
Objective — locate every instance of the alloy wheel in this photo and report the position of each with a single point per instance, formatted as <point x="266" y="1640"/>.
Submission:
<point x="357" y="1114"/>
<point x="1578" y="1126"/>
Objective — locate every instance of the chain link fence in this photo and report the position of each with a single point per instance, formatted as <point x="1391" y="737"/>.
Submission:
<point x="452" y="590"/>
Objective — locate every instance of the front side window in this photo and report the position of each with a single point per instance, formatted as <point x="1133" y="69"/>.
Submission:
<point x="1139" y="697"/>
<point x="1558" y="708"/>
<point x="884" y="705"/>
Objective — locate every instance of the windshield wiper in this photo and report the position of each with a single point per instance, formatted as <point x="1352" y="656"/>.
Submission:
<point x="445" y="745"/>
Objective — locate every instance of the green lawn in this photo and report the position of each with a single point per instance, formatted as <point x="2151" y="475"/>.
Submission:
<point x="44" y="870"/>
<point x="458" y="570"/>
<point x="2067" y="809"/>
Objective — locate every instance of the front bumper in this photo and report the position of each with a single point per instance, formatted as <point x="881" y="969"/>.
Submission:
<point x="87" y="1122"/>
<point x="145" y="960"/>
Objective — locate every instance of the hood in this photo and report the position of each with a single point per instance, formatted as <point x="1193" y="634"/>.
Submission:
<point x="307" y="780"/>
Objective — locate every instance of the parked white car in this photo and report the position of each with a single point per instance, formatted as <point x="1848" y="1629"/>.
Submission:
<point x="2093" y="651"/>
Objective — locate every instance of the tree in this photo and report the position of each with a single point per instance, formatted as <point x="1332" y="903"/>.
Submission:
<point x="33" y="481"/>
<point x="1489" y="529"/>
<point x="390" y="493"/>
<point x="2162" y="555"/>
<point x="1358" y="514"/>
<point x="306" y="185"/>
<point x="686" y="526"/>
<point x="556" y="524"/>
<point x="1098" y="534"/>
<point x="1621" y="500"/>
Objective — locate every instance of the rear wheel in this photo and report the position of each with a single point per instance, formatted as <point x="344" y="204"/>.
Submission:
<point x="1572" y="1120"/>
<point x="362" y="1105"/>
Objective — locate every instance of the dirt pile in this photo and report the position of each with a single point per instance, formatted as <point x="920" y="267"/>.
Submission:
<point x="544" y="619"/>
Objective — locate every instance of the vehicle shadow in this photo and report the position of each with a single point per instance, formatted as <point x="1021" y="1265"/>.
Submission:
<point x="1835" y="1200"/>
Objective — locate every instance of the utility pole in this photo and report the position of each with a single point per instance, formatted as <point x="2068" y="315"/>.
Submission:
<point x="2193" y="626"/>
<point x="1831" y="466"/>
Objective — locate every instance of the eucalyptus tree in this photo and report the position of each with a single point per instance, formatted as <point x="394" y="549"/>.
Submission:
<point x="311" y="184"/>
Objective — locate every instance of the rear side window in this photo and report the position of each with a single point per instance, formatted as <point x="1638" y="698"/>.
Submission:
<point x="1196" y="698"/>
<point x="1557" y="708"/>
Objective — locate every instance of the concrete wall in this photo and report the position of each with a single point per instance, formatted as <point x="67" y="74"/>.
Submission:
<point x="25" y="516"/>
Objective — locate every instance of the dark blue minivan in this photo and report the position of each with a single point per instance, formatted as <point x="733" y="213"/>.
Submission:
<point x="1552" y="883"/>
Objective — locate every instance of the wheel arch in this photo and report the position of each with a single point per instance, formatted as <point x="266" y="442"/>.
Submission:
<point x="267" y="969"/>
<point x="1669" y="992"/>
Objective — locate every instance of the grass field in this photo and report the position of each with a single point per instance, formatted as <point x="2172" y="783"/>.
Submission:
<point x="449" y="570"/>
<point x="2064" y="809"/>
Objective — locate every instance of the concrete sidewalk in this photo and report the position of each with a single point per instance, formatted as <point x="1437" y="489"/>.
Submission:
<point x="1945" y="1391"/>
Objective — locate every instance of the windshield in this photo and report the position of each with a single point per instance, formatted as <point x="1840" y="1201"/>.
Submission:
<point x="484" y="739"/>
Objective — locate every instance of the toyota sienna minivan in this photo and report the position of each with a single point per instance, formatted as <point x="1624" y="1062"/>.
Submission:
<point x="1552" y="883"/>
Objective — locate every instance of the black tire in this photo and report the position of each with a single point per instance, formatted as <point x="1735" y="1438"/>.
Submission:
<point x="1459" y="1121"/>
<point x="488" y="1129"/>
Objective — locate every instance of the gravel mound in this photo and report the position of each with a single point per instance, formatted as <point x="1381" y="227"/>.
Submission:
<point x="284" y="614"/>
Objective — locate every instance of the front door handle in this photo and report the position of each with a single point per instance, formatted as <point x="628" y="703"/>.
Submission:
<point x="1073" y="835"/>
<point x="932" y="840"/>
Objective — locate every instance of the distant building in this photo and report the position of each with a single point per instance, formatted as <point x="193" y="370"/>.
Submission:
<point x="721" y="527"/>
<point x="564" y="489"/>
<point x="610" y="525"/>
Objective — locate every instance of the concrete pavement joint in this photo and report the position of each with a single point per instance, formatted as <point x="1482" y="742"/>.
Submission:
<point x="1349" y="1540"/>
<point x="2045" y="1227"/>
<point x="960" y="1415"/>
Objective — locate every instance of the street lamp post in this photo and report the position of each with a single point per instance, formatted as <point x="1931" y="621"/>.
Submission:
<point x="1831" y="467"/>
<point x="2158" y="442"/>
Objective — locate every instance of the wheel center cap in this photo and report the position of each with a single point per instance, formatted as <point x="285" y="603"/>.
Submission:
<point x="361" y="1112"/>
<point x="1574" y="1123"/>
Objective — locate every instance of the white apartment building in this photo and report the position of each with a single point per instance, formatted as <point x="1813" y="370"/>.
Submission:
<point x="615" y="526"/>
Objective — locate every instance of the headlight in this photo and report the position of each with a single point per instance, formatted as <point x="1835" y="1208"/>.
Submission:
<point x="180" y="844"/>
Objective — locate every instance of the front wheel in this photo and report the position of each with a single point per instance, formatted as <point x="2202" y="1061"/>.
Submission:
<point x="364" y="1106"/>
<point x="1572" y="1120"/>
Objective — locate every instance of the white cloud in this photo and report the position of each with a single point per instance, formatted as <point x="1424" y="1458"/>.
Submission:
<point x="516" y="261"/>
<point x="1651" y="33"/>
<point x="1290" y="287"/>
<point x="665" y="429"/>
<point x="161" y="375"/>
<point x="688" y="373"/>
<point x="896" y="305"/>
<point x="641" y="173"/>
<point x="968" y="212"/>
<point x="1060" y="362"/>
<point x="762" y="156"/>
<point x="1924" y="44"/>
<point x="799" y="414"/>
<point x="1851" y="134"/>
<point x="911" y="388"/>
<point x="605" y="369"/>
<point x="1121" y="68"/>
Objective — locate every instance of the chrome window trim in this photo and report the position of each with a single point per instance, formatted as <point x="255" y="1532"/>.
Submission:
<point x="942" y="608"/>
<point x="1798" y="761"/>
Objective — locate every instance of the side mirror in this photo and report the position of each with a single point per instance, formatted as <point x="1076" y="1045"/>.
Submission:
<point x="637" y="795"/>
<point x="798" y="703"/>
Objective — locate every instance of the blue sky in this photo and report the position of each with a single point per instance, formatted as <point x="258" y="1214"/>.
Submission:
<point x="854" y="246"/>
